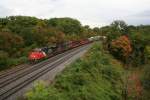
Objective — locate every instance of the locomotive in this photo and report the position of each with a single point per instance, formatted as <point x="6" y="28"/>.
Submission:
<point x="46" y="52"/>
<point x="41" y="53"/>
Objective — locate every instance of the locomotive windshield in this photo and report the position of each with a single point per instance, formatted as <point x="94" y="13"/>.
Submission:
<point x="37" y="50"/>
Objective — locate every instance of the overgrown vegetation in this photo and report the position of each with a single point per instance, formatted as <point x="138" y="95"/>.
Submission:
<point x="121" y="48"/>
<point x="20" y="34"/>
<point x="137" y="39"/>
<point x="130" y="44"/>
<point x="146" y="82"/>
<point x="95" y="76"/>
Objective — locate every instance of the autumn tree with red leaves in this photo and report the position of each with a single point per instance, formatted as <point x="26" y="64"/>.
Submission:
<point x="121" y="48"/>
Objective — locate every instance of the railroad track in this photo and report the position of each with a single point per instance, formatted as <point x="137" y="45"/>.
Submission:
<point x="23" y="67"/>
<point x="12" y="70"/>
<point x="6" y="79"/>
<point x="7" y="73"/>
<point x="9" y="85"/>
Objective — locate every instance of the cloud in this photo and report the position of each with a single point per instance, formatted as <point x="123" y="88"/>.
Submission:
<point x="144" y="14"/>
<point x="4" y="11"/>
<point x="38" y="8"/>
<point x="92" y="12"/>
<point x="139" y="18"/>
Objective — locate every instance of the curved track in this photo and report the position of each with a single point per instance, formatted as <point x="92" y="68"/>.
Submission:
<point x="17" y="79"/>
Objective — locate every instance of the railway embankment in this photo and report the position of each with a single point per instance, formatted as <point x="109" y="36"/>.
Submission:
<point x="14" y="83"/>
<point x="95" y="76"/>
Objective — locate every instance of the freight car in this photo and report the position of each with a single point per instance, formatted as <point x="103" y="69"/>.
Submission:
<point x="97" y="38"/>
<point x="46" y="52"/>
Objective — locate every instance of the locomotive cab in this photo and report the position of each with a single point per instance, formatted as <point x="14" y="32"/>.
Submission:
<point x="37" y="54"/>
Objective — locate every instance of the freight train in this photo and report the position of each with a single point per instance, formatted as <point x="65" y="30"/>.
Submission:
<point x="46" y="52"/>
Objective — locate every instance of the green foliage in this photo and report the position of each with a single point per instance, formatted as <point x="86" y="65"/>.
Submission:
<point x="121" y="48"/>
<point x="9" y="41"/>
<point x="120" y="26"/>
<point x="3" y="59"/>
<point x="146" y="78"/>
<point x="66" y="25"/>
<point x="146" y="82"/>
<point x="41" y="92"/>
<point x="6" y="61"/>
<point x="17" y="23"/>
<point x="115" y="30"/>
<point x="18" y="34"/>
<point x="140" y="38"/>
<point x="95" y="76"/>
<point x="138" y="35"/>
<point x="147" y="53"/>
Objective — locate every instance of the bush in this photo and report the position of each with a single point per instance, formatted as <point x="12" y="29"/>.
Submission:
<point x="6" y="62"/>
<point x="16" y="61"/>
<point x="146" y="77"/>
<point x="121" y="48"/>
<point x="146" y="82"/>
<point x="42" y="93"/>
<point x="95" y="76"/>
<point x="3" y="59"/>
<point x="147" y="53"/>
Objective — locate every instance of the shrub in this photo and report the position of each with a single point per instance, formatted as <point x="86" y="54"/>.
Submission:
<point x="6" y="62"/>
<point x="16" y="61"/>
<point x="146" y="82"/>
<point x="3" y="59"/>
<point x="147" y="53"/>
<point x="121" y="48"/>
<point x="95" y="76"/>
<point x="146" y="77"/>
<point x="41" y="92"/>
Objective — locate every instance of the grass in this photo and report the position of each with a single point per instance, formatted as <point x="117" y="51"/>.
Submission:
<point x="12" y="62"/>
<point x="145" y="79"/>
<point x="95" y="76"/>
<point x="6" y="61"/>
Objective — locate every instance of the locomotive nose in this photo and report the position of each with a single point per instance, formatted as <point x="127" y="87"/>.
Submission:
<point x="36" y="55"/>
<point x="33" y="56"/>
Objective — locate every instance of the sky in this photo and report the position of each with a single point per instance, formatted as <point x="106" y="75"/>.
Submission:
<point x="95" y="13"/>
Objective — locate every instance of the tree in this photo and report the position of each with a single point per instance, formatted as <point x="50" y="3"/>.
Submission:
<point x="10" y="42"/>
<point x="96" y="30"/>
<point x="16" y="23"/>
<point x="120" y="26"/>
<point x="140" y="37"/>
<point x="67" y="25"/>
<point x="121" y="48"/>
<point x="116" y="29"/>
<point x="147" y="54"/>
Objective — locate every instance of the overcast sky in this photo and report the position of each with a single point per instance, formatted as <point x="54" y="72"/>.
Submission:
<point x="91" y="12"/>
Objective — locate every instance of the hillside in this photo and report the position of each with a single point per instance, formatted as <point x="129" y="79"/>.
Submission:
<point x="20" y="34"/>
<point x="95" y="76"/>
